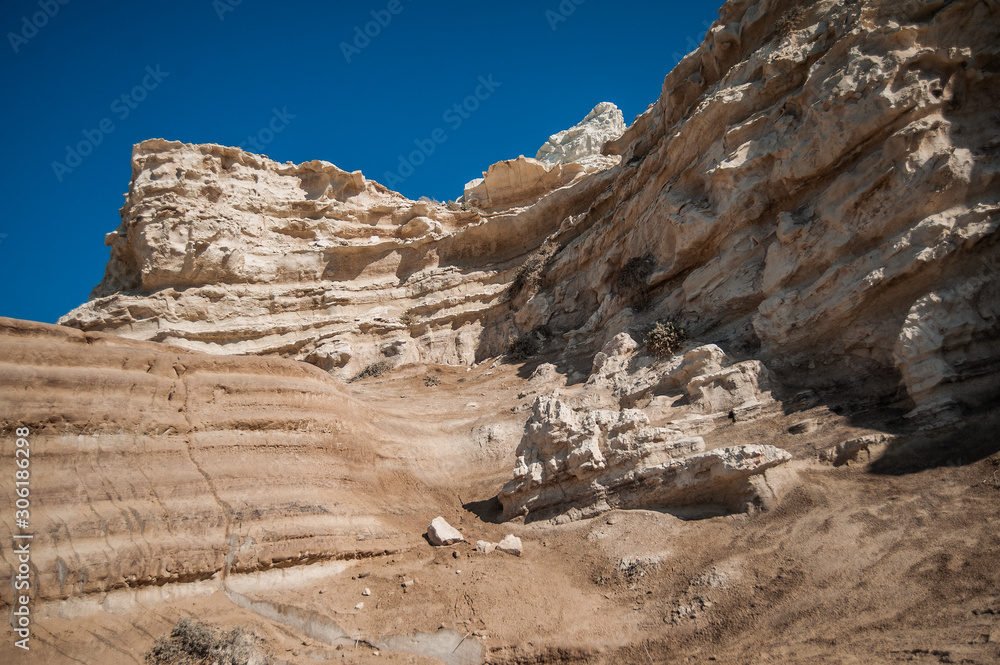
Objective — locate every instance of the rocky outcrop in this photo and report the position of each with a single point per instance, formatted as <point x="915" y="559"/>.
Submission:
<point x="565" y="157"/>
<point x="815" y="188"/>
<point x="148" y="463"/>
<point x="584" y="142"/>
<point x="519" y="183"/>
<point x="579" y="463"/>
<point x="594" y="450"/>
<point x="808" y="180"/>
<point x="222" y="251"/>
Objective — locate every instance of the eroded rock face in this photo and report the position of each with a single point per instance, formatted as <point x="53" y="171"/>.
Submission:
<point x="815" y="188"/>
<point x="805" y="187"/>
<point x="584" y="142"/>
<point x="222" y="251"/>
<point x="519" y="182"/>
<point x="151" y="462"/>
<point x="565" y="157"/>
<point x="590" y="453"/>
<point x="580" y="463"/>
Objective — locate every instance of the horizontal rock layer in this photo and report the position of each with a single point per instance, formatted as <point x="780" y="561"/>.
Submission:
<point x="816" y="188"/>
<point x="151" y="464"/>
<point x="589" y="452"/>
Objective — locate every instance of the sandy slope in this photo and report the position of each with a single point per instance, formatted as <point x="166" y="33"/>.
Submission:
<point x="853" y="566"/>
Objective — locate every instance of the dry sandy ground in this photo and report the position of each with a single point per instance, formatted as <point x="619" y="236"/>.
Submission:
<point x="898" y="561"/>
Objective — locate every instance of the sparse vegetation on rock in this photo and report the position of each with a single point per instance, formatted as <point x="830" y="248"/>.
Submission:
<point x="373" y="371"/>
<point x="432" y="380"/>
<point x="524" y="347"/>
<point x="632" y="281"/>
<point x="529" y="344"/>
<point x="194" y="643"/>
<point x="664" y="339"/>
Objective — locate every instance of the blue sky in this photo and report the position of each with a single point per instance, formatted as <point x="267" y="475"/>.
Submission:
<point x="98" y="77"/>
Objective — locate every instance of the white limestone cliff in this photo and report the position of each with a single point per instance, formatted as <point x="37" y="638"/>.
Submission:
<point x="810" y="190"/>
<point x="583" y="143"/>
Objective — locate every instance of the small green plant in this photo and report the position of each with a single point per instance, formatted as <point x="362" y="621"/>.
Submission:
<point x="664" y="339"/>
<point x="373" y="371"/>
<point x="432" y="380"/>
<point x="528" y="275"/>
<point x="524" y="347"/>
<point x="193" y="643"/>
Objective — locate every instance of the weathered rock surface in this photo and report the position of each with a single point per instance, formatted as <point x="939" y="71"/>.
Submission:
<point x="441" y="533"/>
<point x="816" y="188"/>
<point x="153" y="465"/>
<point x="511" y="544"/>
<point x="582" y="462"/>
<point x="584" y="142"/>
<point x="520" y="182"/>
<point x="226" y="252"/>
<point x="565" y="157"/>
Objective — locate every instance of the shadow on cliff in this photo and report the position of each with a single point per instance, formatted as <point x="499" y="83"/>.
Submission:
<point x="488" y="510"/>
<point x="971" y="441"/>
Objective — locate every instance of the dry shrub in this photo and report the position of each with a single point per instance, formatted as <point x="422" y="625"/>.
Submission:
<point x="664" y="339"/>
<point x="193" y="643"/>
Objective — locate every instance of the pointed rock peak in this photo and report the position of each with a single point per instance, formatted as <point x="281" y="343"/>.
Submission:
<point x="586" y="139"/>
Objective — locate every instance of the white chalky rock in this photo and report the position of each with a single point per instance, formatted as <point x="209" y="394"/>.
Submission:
<point x="441" y="533"/>
<point x="586" y="139"/>
<point x="511" y="544"/>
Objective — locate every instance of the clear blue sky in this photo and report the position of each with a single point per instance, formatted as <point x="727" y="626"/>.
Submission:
<point x="111" y="74"/>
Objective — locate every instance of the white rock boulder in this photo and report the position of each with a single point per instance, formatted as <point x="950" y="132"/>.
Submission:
<point x="441" y="533"/>
<point x="511" y="544"/>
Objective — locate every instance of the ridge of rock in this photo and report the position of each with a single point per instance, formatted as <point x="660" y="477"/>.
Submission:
<point x="813" y="189"/>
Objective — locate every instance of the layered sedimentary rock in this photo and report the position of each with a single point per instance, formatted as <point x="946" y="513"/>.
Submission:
<point x="816" y="188"/>
<point x="149" y="463"/>
<point x="583" y="143"/>
<point x="565" y="157"/>
<point x="591" y="452"/>
<point x="518" y="183"/>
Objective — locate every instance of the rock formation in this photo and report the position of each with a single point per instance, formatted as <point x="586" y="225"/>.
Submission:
<point x="154" y="459"/>
<point x="813" y="198"/>
<point x="810" y="189"/>
<point x="584" y="142"/>
<point x="565" y="157"/>
<point x="592" y="452"/>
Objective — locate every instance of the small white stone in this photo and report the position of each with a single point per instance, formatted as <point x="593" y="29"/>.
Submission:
<point x="441" y="533"/>
<point x="359" y="606"/>
<point x="366" y="592"/>
<point x="511" y="544"/>
<point x="485" y="547"/>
